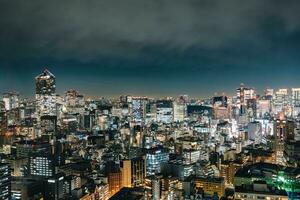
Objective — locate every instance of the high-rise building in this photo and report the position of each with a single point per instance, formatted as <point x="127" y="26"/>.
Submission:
<point x="74" y="102"/>
<point x="154" y="158"/>
<point x="280" y="101"/>
<point x="45" y="94"/>
<point x="114" y="176"/>
<point x="3" y="117"/>
<point x="137" y="109"/>
<point x="54" y="188"/>
<point x="164" y="111"/>
<point x="41" y="166"/>
<point x="296" y="101"/>
<point x="283" y="131"/>
<point x="45" y="83"/>
<point x="48" y="125"/>
<point x="244" y="94"/>
<point x="5" y="182"/>
<point x="133" y="172"/>
<point x="11" y="100"/>
<point x="150" y="112"/>
<point x="263" y="107"/>
<point x="156" y="187"/>
<point x="27" y="148"/>
<point x="255" y="132"/>
<point x="179" y="111"/>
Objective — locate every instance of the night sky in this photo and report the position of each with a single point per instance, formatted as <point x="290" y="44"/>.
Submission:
<point x="156" y="47"/>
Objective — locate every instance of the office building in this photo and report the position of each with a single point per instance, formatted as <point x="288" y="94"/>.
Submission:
<point x="41" y="166"/>
<point x="45" y="94"/>
<point x="296" y="101"/>
<point x="164" y="111"/>
<point x="243" y="95"/>
<point x="179" y="111"/>
<point x="5" y="182"/>
<point x="280" y="101"/>
<point x="133" y="172"/>
<point x="54" y="188"/>
<point x="11" y="100"/>
<point x="154" y="158"/>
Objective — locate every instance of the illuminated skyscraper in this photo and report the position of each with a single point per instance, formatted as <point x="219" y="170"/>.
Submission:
<point x="137" y="110"/>
<point x="45" y="83"/>
<point x="243" y="95"/>
<point x="179" y="111"/>
<point x="296" y="101"/>
<point x="45" y="93"/>
<point x="154" y="158"/>
<point x="284" y="131"/>
<point x="280" y="101"/>
<point x="133" y="172"/>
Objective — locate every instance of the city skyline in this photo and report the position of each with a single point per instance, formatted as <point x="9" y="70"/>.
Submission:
<point x="150" y="100"/>
<point x="60" y="91"/>
<point x="196" y="48"/>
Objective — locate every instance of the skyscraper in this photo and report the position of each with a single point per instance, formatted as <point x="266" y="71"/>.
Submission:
<point x="133" y="172"/>
<point x="296" y="101"/>
<point x="280" y="101"/>
<point x="154" y="158"/>
<point x="45" y="83"/>
<point x="45" y="93"/>
<point x="138" y="105"/>
<point x="243" y="95"/>
<point x="179" y="111"/>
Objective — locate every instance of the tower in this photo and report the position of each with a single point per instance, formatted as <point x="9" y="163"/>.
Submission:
<point x="45" y="86"/>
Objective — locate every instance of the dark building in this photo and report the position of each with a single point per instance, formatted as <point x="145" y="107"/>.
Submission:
<point x="54" y="187"/>
<point x="26" y="188"/>
<point x="114" y="175"/>
<point x="199" y="110"/>
<point x="220" y="101"/>
<point x="129" y="193"/>
<point x="48" y="125"/>
<point x="27" y="148"/>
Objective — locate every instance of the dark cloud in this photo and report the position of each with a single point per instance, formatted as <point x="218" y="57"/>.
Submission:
<point x="85" y="30"/>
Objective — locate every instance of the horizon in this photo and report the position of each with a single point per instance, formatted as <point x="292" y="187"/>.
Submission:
<point x="173" y="47"/>
<point x="63" y="91"/>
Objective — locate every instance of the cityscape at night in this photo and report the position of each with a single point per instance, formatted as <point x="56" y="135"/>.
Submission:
<point x="150" y="100"/>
